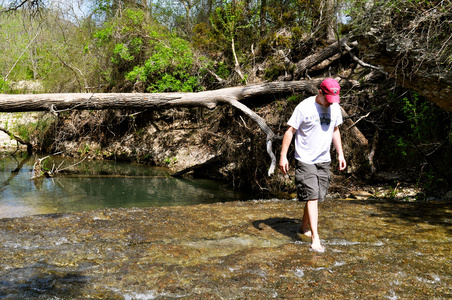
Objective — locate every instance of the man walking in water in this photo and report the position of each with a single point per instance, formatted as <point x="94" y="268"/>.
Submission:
<point x="314" y="123"/>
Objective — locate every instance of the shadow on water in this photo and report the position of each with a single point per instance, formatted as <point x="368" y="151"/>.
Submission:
<point x="422" y="212"/>
<point x="40" y="282"/>
<point x="284" y="226"/>
<point x="420" y="216"/>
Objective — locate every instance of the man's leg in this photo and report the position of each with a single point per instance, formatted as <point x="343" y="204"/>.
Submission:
<point x="304" y="227"/>
<point x="313" y="213"/>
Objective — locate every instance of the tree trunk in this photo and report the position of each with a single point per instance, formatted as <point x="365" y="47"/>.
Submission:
<point x="236" y="61"/>
<point x="330" y="21"/>
<point x="263" y="11"/>
<point x="319" y="57"/>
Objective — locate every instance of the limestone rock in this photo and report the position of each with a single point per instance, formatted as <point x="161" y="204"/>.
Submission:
<point x="361" y="195"/>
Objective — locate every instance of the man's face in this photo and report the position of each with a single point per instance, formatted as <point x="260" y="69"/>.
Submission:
<point x="322" y="99"/>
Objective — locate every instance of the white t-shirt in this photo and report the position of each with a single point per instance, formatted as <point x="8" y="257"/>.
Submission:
<point x="315" y="126"/>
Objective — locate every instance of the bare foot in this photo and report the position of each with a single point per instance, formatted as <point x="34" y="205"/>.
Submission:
<point x="316" y="246"/>
<point x="304" y="231"/>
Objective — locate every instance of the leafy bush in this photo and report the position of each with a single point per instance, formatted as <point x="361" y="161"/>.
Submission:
<point x="121" y="44"/>
<point x="4" y="86"/>
<point x="169" y="67"/>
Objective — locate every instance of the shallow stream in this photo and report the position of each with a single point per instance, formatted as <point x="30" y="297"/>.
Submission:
<point x="233" y="250"/>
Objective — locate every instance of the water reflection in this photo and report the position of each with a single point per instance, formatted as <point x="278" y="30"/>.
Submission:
<point x="91" y="185"/>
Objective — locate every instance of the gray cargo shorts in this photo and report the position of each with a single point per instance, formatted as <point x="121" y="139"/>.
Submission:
<point x="312" y="180"/>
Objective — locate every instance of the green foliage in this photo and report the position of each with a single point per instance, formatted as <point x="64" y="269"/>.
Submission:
<point x="297" y="98"/>
<point x="229" y="22"/>
<point x="295" y="13"/>
<point x="419" y="116"/>
<point x="44" y="49"/>
<point x="84" y="149"/>
<point x="34" y="130"/>
<point x="104" y="36"/>
<point x="5" y="87"/>
<point x="203" y="37"/>
<point x="169" y="67"/>
<point x="121" y="44"/>
<point x="223" y="70"/>
<point x="123" y="51"/>
<point x="418" y="122"/>
<point x="273" y="72"/>
<point x="117" y="41"/>
<point x="15" y="36"/>
<point x="138" y="51"/>
<point x="170" y="161"/>
<point x="401" y="5"/>
<point x="228" y="19"/>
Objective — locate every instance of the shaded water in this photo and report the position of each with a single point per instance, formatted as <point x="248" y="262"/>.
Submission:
<point x="98" y="184"/>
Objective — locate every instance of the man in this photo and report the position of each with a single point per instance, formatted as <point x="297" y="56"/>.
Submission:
<point x="314" y="123"/>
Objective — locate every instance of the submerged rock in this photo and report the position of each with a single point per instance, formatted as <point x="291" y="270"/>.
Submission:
<point x="235" y="250"/>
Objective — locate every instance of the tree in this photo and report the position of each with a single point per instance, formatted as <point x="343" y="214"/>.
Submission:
<point x="18" y="38"/>
<point x="330" y="10"/>
<point x="189" y="5"/>
<point x="170" y="67"/>
<point x="226" y="21"/>
<point x="120" y="44"/>
<point x="262" y="17"/>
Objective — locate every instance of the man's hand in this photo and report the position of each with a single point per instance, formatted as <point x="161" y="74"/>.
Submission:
<point x="287" y="139"/>
<point x="284" y="165"/>
<point x="342" y="163"/>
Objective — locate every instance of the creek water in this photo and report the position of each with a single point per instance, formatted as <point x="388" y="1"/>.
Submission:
<point x="375" y="249"/>
<point x="235" y="250"/>
<point x="91" y="185"/>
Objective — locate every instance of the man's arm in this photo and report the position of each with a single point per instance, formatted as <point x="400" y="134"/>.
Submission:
<point x="287" y="139"/>
<point x="337" y="142"/>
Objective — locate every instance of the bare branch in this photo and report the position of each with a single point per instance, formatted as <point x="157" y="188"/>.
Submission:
<point x="33" y="5"/>
<point x="366" y="65"/>
<point x="218" y="78"/>
<point x="23" y="52"/>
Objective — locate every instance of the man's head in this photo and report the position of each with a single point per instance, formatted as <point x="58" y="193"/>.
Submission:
<point x="330" y="89"/>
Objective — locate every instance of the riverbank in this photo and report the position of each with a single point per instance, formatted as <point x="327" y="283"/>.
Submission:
<point x="234" y="250"/>
<point x="11" y="121"/>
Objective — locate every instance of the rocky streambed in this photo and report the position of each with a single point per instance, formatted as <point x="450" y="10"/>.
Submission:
<point x="237" y="250"/>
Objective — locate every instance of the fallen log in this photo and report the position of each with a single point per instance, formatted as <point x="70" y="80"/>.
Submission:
<point x="99" y="101"/>
<point x="320" y="56"/>
<point x="351" y="126"/>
